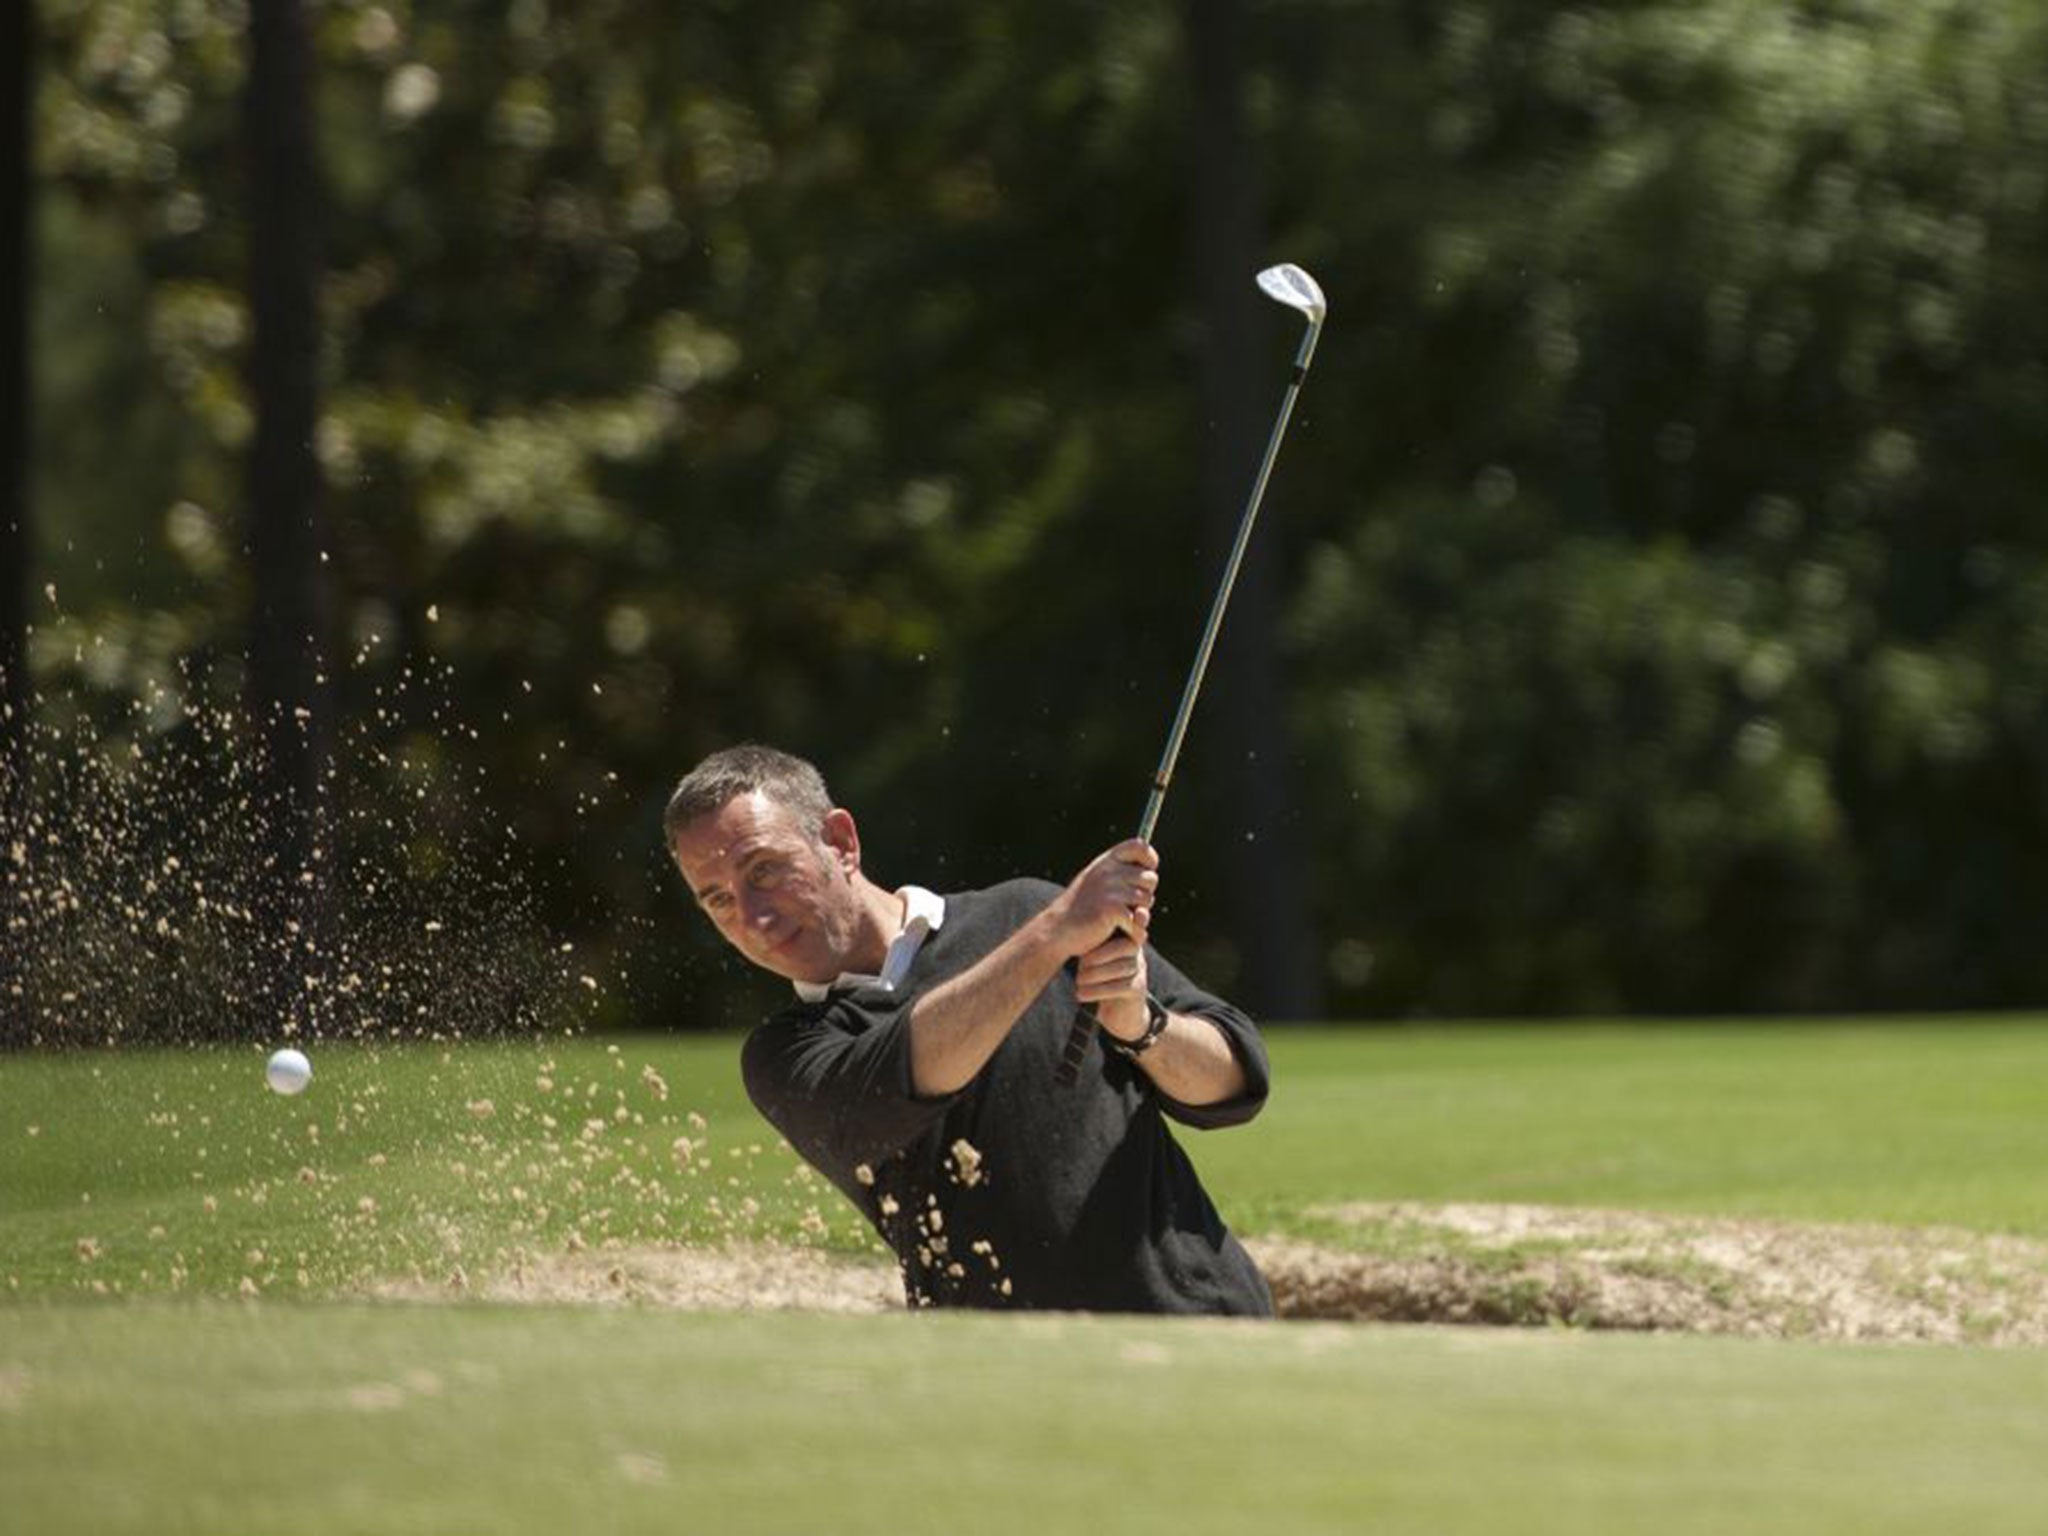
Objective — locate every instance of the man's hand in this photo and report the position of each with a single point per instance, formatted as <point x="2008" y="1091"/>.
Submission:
<point x="1112" y="977"/>
<point x="1112" y="896"/>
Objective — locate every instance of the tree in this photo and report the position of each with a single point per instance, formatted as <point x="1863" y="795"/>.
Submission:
<point x="1245" y="740"/>
<point x="1684" y="647"/>
<point x="288" y="691"/>
<point x="1660" y="588"/>
<point x="17" y="77"/>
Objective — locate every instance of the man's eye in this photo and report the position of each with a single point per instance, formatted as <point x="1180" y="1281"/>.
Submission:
<point x="718" y="905"/>
<point x="765" y="875"/>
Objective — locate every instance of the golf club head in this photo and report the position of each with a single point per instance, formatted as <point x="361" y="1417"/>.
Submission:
<point x="1293" y="287"/>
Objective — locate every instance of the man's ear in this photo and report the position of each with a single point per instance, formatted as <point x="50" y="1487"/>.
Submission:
<point x="843" y="838"/>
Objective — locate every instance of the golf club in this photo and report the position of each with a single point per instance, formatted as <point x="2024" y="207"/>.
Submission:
<point x="1290" y="285"/>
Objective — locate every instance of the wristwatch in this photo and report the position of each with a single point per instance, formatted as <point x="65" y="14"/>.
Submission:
<point x="1155" y="1026"/>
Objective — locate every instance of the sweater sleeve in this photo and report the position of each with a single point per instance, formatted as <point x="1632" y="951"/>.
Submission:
<point x="835" y="1078"/>
<point x="1180" y="995"/>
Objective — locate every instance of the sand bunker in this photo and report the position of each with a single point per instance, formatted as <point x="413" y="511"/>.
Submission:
<point x="735" y="1277"/>
<point x="1614" y="1269"/>
<point x="1502" y="1265"/>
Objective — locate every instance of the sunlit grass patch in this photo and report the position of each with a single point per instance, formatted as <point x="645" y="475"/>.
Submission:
<point x="178" y="1171"/>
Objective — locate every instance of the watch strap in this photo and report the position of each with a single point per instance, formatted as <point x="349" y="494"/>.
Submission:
<point x="1155" y="1026"/>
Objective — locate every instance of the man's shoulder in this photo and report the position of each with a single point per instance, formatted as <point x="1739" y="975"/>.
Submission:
<point x="773" y="1052"/>
<point x="1011" y="899"/>
<point x="782" y="1028"/>
<point x="802" y="1021"/>
<point x="976" y="918"/>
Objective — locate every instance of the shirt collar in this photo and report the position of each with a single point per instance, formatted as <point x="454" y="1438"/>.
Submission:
<point x="923" y="913"/>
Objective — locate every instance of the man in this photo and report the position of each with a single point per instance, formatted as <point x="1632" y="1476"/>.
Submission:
<point x="917" y="1068"/>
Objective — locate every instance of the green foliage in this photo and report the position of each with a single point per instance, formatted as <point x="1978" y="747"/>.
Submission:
<point x="1659" y="530"/>
<point x="1676" y="642"/>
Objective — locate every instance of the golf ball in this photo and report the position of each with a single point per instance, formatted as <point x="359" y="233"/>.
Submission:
<point x="288" y="1071"/>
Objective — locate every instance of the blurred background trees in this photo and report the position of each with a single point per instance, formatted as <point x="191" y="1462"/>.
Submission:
<point x="1657" y="606"/>
<point x="290" y="643"/>
<point x="17" y="56"/>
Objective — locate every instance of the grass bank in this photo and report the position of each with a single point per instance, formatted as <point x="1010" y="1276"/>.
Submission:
<point x="165" y="1418"/>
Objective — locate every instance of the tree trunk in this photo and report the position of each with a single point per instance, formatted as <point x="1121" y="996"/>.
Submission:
<point x="1242" y="375"/>
<point x="288" y="698"/>
<point x="17" y="79"/>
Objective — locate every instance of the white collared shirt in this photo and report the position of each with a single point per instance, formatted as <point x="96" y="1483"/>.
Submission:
<point x="923" y="913"/>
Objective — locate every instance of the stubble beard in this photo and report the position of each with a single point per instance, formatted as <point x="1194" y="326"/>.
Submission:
<point x="833" y="922"/>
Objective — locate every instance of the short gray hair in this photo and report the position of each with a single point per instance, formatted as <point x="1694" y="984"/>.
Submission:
<point x="725" y="776"/>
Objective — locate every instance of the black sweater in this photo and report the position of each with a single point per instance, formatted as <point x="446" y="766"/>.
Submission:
<point x="1014" y="1191"/>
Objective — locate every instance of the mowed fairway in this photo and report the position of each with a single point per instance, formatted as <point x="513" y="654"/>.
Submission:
<point x="1940" y="1122"/>
<point x="133" y="1401"/>
<point x="290" y="1419"/>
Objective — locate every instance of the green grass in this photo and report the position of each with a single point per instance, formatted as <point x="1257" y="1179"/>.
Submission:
<point x="1909" y="1122"/>
<point x="168" y="1179"/>
<point x="161" y="1419"/>
<point x="167" y="1171"/>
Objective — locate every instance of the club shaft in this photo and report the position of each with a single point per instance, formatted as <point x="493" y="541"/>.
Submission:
<point x="1083" y="1027"/>
<point x="1163" y="777"/>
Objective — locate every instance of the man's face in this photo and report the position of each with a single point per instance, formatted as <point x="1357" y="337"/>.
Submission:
<point x="787" y="903"/>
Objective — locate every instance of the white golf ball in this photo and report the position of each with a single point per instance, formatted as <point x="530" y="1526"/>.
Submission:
<point x="288" y="1071"/>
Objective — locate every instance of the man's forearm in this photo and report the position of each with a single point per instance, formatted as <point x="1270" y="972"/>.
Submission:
<point x="956" y="1027"/>
<point x="1192" y="1063"/>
